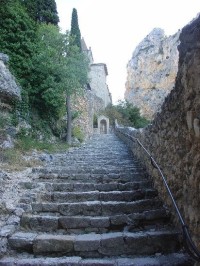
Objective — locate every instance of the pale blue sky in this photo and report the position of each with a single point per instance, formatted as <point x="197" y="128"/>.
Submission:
<point x="113" y="28"/>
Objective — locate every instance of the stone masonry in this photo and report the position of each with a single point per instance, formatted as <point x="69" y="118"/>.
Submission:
<point x="173" y="138"/>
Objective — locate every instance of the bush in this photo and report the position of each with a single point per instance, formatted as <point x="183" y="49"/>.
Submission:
<point x="126" y="114"/>
<point x="78" y="133"/>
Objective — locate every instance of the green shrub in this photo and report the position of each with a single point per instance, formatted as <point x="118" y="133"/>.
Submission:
<point x="126" y="114"/>
<point x="78" y="133"/>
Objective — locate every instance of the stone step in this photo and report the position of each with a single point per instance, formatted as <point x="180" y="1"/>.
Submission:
<point x="102" y="169"/>
<point x="89" y="196"/>
<point x="81" y="224"/>
<point x="97" y="208"/>
<point x="129" y="186"/>
<point x="175" y="259"/>
<point x="93" y="178"/>
<point x="97" y="245"/>
<point x="89" y="170"/>
<point x="104" y="161"/>
<point x="97" y="196"/>
<point x="49" y="185"/>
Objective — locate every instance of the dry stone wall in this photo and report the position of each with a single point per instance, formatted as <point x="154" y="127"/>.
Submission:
<point x="173" y="138"/>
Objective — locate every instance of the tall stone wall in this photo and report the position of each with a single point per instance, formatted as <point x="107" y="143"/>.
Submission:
<point x="99" y="87"/>
<point x="173" y="138"/>
<point x="151" y="72"/>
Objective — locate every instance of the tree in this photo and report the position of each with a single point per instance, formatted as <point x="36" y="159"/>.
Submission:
<point x="60" y="70"/>
<point x="47" y="94"/>
<point x="79" y="65"/>
<point x="17" y="32"/>
<point x="76" y="78"/>
<point x="75" y="31"/>
<point x="42" y="11"/>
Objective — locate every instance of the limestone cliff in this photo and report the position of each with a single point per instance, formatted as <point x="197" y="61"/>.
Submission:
<point x="151" y="72"/>
<point x="8" y="88"/>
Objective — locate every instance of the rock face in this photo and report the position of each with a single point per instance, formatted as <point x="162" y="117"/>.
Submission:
<point x="8" y="88"/>
<point x="174" y="136"/>
<point x="151" y="72"/>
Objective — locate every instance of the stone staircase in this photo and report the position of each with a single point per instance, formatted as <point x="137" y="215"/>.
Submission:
<point x="94" y="205"/>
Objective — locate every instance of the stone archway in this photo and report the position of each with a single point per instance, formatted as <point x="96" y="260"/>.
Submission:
<point x="103" y="125"/>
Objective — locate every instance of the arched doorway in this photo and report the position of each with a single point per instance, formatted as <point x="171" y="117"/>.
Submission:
<point x="103" y="127"/>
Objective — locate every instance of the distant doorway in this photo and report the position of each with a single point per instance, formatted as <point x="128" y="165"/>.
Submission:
<point x="103" y="125"/>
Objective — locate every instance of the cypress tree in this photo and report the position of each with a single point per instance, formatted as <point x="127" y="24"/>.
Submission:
<point x="42" y="11"/>
<point x="75" y="31"/>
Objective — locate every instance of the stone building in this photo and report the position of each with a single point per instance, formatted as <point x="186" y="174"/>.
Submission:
<point x="97" y="76"/>
<point x="96" y="96"/>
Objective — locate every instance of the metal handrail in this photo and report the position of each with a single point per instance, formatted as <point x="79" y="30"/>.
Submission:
<point x="187" y="240"/>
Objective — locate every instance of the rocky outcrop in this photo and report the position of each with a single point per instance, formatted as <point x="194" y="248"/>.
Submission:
<point x="173" y="139"/>
<point x="9" y="90"/>
<point x="151" y="72"/>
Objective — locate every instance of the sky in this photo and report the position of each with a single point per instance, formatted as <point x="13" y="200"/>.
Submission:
<point x="113" y="29"/>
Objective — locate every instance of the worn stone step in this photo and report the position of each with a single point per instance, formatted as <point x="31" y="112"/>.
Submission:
<point x="98" y="245"/>
<point x="50" y="222"/>
<point x="97" y="196"/>
<point x="99" y="187"/>
<point x="51" y="185"/>
<point x="174" y="259"/>
<point x="94" y="178"/>
<point x="90" y="170"/>
<point x="102" y="162"/>
<point x="97" y="208"/>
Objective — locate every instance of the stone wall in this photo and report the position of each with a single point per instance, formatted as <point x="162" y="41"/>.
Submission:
<point x="99" y="87"/>
<point x="173" y="138"/>
<point x="87" y="105"/>
<point x="151" y="72"/>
